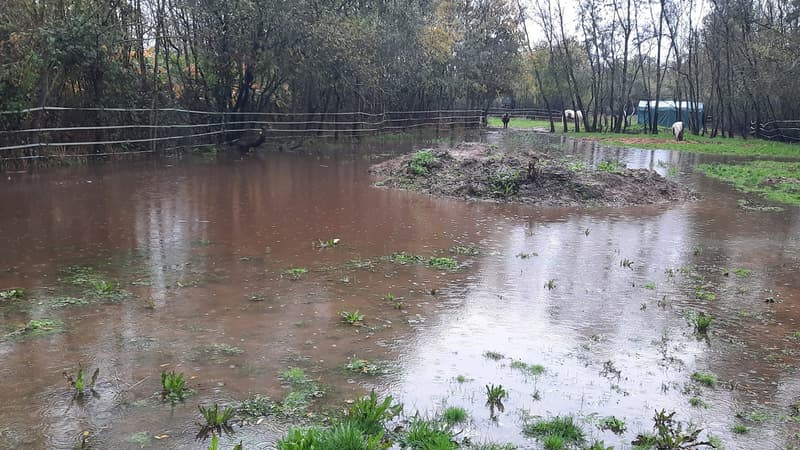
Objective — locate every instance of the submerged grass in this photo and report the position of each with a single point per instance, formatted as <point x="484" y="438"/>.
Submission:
<point x="35" y="328"/>
<point x="559" y="429"/>
<point x="774" y="180"/>
<point x="443" y="263"/>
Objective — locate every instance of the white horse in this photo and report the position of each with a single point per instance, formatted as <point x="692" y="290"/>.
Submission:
<point x="677" y="131"/>
<point x="570" y="115"/>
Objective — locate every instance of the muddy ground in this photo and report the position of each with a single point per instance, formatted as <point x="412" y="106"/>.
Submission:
<point x="486" y="172"/>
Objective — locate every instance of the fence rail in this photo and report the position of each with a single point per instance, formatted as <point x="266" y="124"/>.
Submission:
<point x="61" y="132"/>
<point x="777" y="130"/>
<point x="526" y="113"/>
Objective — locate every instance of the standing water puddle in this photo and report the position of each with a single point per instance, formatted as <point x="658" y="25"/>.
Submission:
<point x="574" y="312"/>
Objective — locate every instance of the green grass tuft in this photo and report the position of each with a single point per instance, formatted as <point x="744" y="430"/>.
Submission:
<point x="563" y="427"/>
<point x="706" y="379"/>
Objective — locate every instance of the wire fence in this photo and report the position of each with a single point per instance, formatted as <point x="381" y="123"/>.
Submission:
<point x="777" y="130"/>
<point x="526" y="113"/>
<point x="63" y="132"/>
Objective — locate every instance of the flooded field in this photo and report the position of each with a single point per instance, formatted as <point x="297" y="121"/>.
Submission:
<point x="227" y="271"/>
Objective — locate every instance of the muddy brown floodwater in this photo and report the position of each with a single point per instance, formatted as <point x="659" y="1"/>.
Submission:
<point x="196" y="252"/>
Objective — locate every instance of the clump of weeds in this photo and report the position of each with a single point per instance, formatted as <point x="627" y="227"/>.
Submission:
<point x="550" y="285"/>
<point x="697" y="402"/>
<point x="650" y="285"/>
<point x="454" y="415"/>
<point x="742" y="273"/>
<point x="258" y="406"/>
<point x="103" y="287"/>
<point x="365" y="366"/>
<point x="702" y="294"/>
<point x="79" y="382"/>
<point x="443" y="263"/>
<point x="740" y="429"/>
<point x="528" y="369"/>
<point x="302" y="391"/>
<point x="63" y="302"/>
<point x="557" y="431"/>
<point x="465" y="250"/>
<point x="330" y="243"/>
<point x="36" y="328"/>
<point x="610" y="166"/>
<point x="427" y="434"/>
<point x="14" y="293"/>
<point x="626" y="263"/>
<point x="404" y="258"/>
<point x="369" y="414"/>
<point x="295" y="273"/>
<point x="351" y="317"/>
<point x="523" y="255"/>
<point x="504" y="184"/>
<point x="421" y="162"/>
<point x="173" y="386"/>
<point x="670" y="434"/>
<point x="495" y="356"/>
<point x="701" y="322"/>
<point x="706" y="379"/>
<point x="611" y="423"/>
<point x="216" y="421"/>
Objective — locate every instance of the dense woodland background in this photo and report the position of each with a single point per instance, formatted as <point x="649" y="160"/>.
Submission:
<point x="740" y="57"/>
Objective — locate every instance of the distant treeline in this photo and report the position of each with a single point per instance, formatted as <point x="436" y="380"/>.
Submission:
<point x="739" y="57"/>
<point x="310" y="56"/>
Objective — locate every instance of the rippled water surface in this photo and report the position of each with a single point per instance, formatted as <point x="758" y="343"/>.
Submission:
<point x="197" y="252"/>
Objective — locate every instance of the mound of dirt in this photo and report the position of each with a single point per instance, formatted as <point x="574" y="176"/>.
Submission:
<point x="477" y="171"/>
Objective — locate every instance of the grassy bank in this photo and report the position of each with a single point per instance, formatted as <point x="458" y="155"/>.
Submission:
<point x="776" y="181"/>
<point x="665" y="141"/>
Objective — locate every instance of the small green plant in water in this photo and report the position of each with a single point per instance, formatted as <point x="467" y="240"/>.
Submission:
<point x="740" y="429"/>
<point x="404" y="258"/>
<point x="103" y="287"/>
<point x="697" y="402"/>
<point x="14" y="293"/>
<point x="79" y="381"/>
<point x="173" y="386"/>
<point x="706" y="379"/>
<point x="369" y="414"/>
<point x="427" y="434"/>
<point x="421" y="162"/>
<point x="523" y="255"/>
<point x="296" y="273"/>
<point x="550" y="285"/>
<point x="365" y="366"/>
<point x="528" y="369"/>
<point x="564" y="428"/>
<point x="700" y="321"/>
<point x="611" y="423"/>
<point x="465" y="250"/>
<point x="670" y="434"/>
<point x="495" y="356"/>
<point x="258" y="406"/>
<point x="443" y="263"/>
<point x="650" y="286"/>
<point x="216" y="421"/>
<point x="351" y="318"/>
<point x="330" y="243"/>
<point x="454" y="415"/>
<point x="494" y="398"/>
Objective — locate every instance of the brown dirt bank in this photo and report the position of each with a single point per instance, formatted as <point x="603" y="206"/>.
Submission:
<point x="478" y="171"/>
